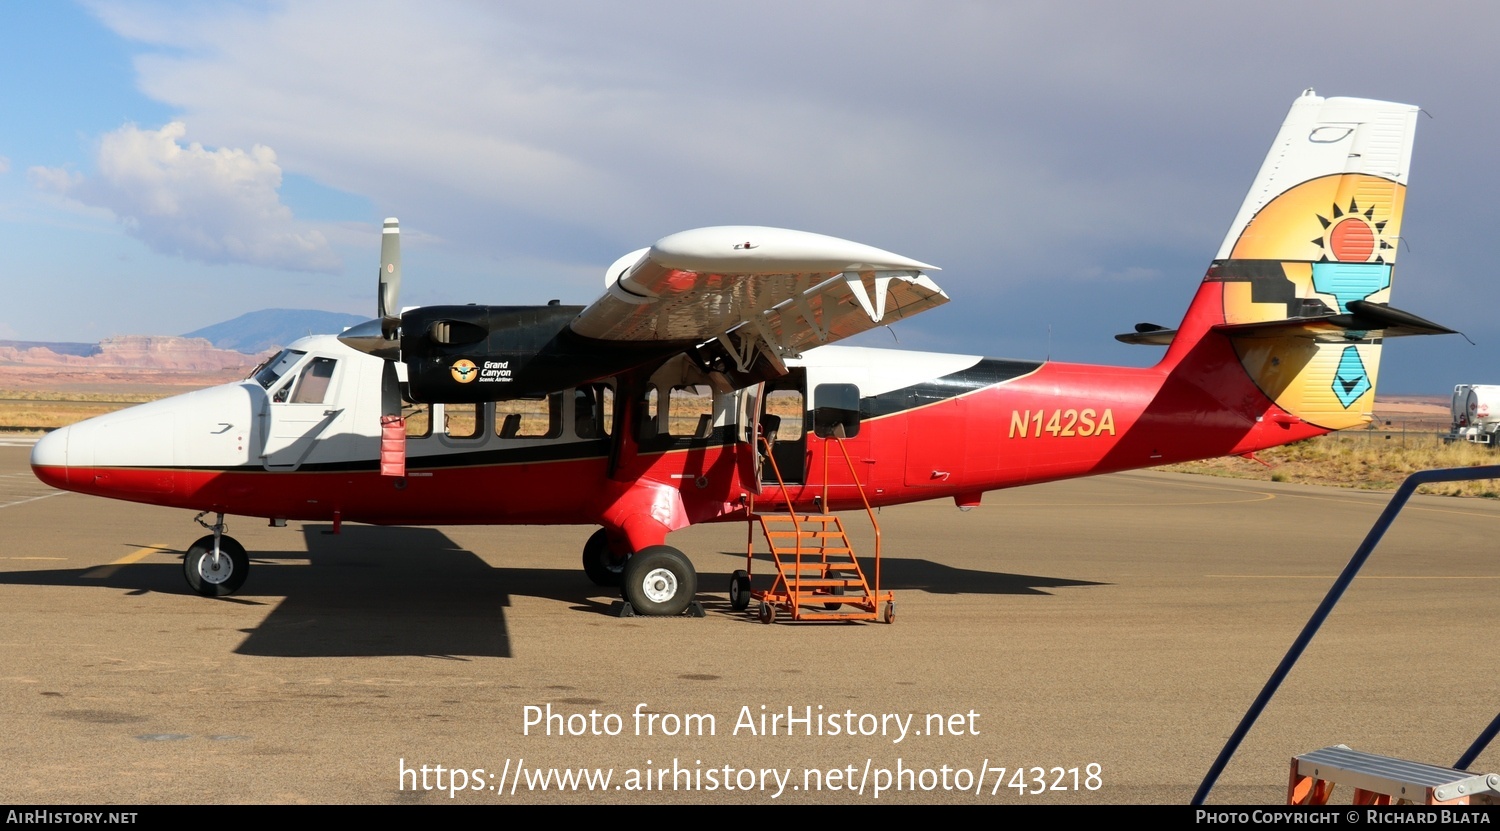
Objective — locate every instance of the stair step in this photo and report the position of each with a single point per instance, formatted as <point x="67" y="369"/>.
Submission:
<point x="819" y="518"/>
<point x="817" y="574"/>
<point x="808" y="585"/>
<point x="810" y="561"/>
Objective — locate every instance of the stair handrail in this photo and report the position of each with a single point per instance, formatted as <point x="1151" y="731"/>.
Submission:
<point x="838" y="437"/>
<point x="791" y="510"/>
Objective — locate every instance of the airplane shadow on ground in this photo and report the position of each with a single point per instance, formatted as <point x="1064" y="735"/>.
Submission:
<point x="375" y="592"/>
<point x="910" y="574"/>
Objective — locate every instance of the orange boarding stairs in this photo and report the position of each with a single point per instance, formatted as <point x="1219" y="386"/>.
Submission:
<point x="817" y="575"/>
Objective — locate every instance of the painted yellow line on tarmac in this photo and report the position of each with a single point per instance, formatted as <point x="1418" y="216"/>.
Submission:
<point x="101" y="572"/>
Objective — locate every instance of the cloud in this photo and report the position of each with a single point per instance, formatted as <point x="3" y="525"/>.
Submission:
<point x="1016" y="145"/>
<point x="213" y="206"/>
<point x="522" y="130"/>
<point x="4" y="165"/>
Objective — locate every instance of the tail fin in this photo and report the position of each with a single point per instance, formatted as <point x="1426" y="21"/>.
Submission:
<point x="1301" y="285"/>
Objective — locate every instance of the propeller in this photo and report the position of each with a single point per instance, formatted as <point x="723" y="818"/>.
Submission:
<point x="382" y="338"/>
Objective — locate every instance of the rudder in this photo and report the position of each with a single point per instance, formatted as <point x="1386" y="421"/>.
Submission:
<point x="1318" y="232"/>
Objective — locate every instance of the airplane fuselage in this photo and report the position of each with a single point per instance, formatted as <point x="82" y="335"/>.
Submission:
<point x="928" y="426"/>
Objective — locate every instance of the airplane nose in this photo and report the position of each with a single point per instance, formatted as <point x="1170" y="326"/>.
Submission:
<point x="49" y="458"/>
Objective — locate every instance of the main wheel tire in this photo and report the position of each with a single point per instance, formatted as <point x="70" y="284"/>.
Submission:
<point x="216" y="579"/>
<point x="836" y="591"/>
<point x="660" y="580"/>
<point x="739" y="591"/>
<point x="600" y="564"/>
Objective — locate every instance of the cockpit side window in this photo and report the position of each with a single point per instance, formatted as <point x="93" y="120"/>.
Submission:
<point x="312" y="387"/>
<point x="273" y="369"/>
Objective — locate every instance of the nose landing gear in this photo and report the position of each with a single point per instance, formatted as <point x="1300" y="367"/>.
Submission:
<point x="215" y="565"/>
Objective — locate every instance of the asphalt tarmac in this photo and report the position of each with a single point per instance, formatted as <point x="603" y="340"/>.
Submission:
<point x="1089" y="642"/>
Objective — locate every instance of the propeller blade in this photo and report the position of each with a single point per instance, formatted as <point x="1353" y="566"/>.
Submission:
<point x="389" y="290"/>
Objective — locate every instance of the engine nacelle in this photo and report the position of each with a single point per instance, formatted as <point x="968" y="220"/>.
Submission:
<point x="464" y="354"/>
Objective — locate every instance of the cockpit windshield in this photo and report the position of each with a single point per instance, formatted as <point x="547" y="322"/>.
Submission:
<point x="277" y="367"/>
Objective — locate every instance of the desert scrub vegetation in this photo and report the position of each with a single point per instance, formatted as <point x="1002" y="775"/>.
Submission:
<point x="1369" y="460"/>
<point x="33" y="411"/>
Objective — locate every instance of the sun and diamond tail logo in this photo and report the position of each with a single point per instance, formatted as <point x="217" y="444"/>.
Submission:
<point x="1310" y="252"/>
<point x="1353" y="267"/>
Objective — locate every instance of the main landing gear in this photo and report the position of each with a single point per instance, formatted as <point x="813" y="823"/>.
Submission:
<point x="658" y="580"/>
<point x="216" y="565"/>
<point x="602" y="565"/>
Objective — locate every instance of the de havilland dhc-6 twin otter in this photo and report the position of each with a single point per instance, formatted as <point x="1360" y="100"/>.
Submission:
<point x="652" y="409"/>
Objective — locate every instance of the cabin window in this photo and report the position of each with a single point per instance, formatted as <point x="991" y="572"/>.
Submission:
<point x="647" y="424"/>
<point x="788" y="410"/>
<point x="593" y="411"/>
<point x="272" y="370"/>
<point x="312" y="387"/>
<point x="691" y="412"/>
<point x="462" y="421"/>
<point x="418" y="420"/>
<point x="524" y="418"/>
<point x="836" y="405"/>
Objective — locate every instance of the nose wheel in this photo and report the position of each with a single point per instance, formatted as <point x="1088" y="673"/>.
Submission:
<point x="214" y="574"/>
<point x="215" y="565"/>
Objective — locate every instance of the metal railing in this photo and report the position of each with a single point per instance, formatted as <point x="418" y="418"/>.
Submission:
<point x="1377" y="531"/>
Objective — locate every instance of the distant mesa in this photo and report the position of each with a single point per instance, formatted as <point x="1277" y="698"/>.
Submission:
<point x="127" y="352"/>
<point x="257" y="332"/>
<point x="213" y="354"/>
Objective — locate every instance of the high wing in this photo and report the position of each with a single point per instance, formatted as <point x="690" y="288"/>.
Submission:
<point x="746" y="292"/>
<point x="738" y="300"/>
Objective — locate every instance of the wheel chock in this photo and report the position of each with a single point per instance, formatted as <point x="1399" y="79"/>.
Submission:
<point x="622" y="608"/>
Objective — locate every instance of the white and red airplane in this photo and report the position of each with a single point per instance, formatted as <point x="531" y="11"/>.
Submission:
<point x="640" y="413"/>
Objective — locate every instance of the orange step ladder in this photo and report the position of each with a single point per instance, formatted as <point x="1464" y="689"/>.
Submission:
<point x="818" y="576"/>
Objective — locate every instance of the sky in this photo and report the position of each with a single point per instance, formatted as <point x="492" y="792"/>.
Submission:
<point x="1071" y="166"/>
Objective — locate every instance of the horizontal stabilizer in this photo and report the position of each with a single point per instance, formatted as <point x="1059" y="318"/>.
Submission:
<point x="1366" y="320"/>
<point x="1148" y="334"/>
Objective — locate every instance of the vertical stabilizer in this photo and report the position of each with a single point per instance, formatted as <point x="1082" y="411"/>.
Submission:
<point x="1319" y="229"/>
